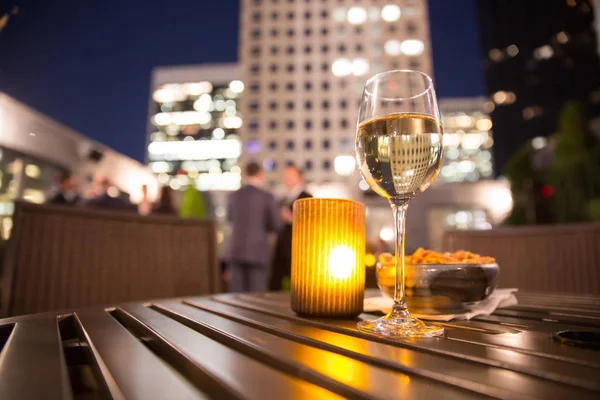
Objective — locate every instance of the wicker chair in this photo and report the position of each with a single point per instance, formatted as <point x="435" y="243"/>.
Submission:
<point x="558" y="258"/>
<point x="63" y="258"/>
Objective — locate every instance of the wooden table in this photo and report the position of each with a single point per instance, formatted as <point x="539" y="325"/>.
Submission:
<point x="252" y="346"/>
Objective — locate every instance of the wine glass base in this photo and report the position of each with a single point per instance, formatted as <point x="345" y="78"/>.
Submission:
<point x="398" y="328"/>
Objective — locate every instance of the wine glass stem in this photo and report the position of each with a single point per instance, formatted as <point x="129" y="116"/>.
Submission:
<point x="399" y="207"/>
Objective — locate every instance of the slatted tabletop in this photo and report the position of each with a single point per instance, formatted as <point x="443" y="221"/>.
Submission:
<point x="252" y="346"/>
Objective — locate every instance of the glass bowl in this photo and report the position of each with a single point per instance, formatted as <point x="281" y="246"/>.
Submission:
<point x="441" y="288"/>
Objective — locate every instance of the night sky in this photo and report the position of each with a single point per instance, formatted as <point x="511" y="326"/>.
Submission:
<point x="87" y="63"/>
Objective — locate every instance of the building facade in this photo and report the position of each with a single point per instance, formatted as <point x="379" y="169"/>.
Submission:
<point x="468" y="140"/>
<point x="537" y="55"/>
<point x="193" y="126"/>
<point x="34" y="149"/>
<point x="304" y="65"/>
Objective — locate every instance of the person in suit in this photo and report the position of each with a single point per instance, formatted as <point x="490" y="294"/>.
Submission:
<point x="104" y="200"/>
<point x="281" y="266"/>
<point x="252" y="213"/>
<point x="164" y="205"/>
<point x="67" y="190"/>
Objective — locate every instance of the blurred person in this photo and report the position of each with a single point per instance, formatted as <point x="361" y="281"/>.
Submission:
<point x="67" y="190"/>
<point x="281" y="266"/>
<point x="252" y="213"/>
<point x="104" y="200"/>
<point x="145" y="205"/>
<point x="164" y="205"/>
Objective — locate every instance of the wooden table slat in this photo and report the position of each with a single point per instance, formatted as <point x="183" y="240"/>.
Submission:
<point x="233" y="374"/>
<point x="252" y="346"/>
<point x="119" y="355"/>
<point x="436" y="364"/>
<point x="32" y="362"/>
<point x="306" y="353"/>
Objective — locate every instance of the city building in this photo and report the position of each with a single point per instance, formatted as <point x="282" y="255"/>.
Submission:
<point x="537" y="55"/>
<point x="193" y="126"/>
<point x="34" y="149"/>
<point x="304" y="65"/>
<point x="468" y="140"/>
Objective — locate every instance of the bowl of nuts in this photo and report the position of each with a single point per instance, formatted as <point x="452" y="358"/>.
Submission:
<point x="440" y="283"/>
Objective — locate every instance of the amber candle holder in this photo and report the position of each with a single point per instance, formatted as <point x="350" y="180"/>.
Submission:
<point x="328" y="249"/>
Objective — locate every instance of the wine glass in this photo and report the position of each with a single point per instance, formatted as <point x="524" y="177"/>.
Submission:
<point x="399" y="153"/>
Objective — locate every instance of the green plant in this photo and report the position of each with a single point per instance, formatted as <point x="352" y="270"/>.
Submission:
<point x="193" y="204"/>
<point x="573" y="178"/>
<point x="575" y="173"/>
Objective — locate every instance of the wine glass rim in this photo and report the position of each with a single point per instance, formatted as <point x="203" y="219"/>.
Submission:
<point x="395" y="71"/>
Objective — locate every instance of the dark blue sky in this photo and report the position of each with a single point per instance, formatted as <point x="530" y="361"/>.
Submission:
<point x="87" y="63"/>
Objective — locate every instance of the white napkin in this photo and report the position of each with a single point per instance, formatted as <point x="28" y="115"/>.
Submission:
<point x="500" y="298"/>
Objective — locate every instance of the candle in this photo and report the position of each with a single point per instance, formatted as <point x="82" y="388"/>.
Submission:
<point x="328" y="248"/>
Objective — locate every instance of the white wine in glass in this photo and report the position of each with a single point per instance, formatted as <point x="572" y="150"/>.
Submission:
<point x="399" y="148"/>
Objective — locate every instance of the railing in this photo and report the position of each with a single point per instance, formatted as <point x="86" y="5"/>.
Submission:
<point x="560" y="258"/>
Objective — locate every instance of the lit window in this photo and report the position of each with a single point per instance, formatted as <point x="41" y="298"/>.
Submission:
<point x="543" y="53"/>
<point x="412" y="47"/>
<point x="360" y="66"/>
<point x="390" y="13"/>
<point x="357" y="15"/>
<point x="32" y="171"/>
<point x="236" y="86"/>
<point x="341" y="67"/>
<point x="512" y="50"/>
<point x="339" y="14"/>
<point x="374" y="14"/>
<point x="393" y="47"/>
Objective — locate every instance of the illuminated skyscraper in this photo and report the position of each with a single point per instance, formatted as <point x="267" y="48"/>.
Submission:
<point x="193" y="123"/>
<point x="537" y="55"/>
<point x="304" y="65"/>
